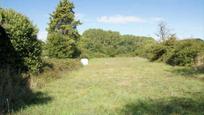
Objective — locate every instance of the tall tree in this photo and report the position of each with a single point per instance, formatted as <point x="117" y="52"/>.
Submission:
<point x="64" y="24"/>
<point x="164" y="32"/>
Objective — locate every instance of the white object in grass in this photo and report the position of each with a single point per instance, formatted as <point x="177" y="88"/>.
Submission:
<point x="84" y="61"/>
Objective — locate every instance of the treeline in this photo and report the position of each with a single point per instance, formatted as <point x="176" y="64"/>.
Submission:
<point x="100" y="43"/>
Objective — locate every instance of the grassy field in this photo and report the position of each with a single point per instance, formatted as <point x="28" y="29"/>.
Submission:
<point x="121" y="86"/>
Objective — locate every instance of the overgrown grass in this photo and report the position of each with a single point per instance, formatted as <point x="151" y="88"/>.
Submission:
<point x="122" y="86"/>
<point x="52" y="70"/>
<point x="15" y="90"/>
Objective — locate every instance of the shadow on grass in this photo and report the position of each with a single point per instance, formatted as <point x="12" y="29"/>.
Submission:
<point x="15" y="91"/>
<point x="37" y="98"/>
<point x="47" y="66"/>
<point x="187" y="71"/>
<point x="166" y="106"/>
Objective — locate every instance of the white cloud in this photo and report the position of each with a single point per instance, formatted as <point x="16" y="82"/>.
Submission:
<point x="119" y="19"/>
<point x="158" y="19"/>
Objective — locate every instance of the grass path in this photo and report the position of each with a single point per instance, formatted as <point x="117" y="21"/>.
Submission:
<point x="121" y="86"/>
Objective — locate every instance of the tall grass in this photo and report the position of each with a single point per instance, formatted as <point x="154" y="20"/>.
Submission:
<point x="14" y="89"/>
<point x="52" y="70"/>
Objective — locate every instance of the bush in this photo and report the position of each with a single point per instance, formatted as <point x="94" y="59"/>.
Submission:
<point x="181" y="52"/>
<point x="145" y="49"/>
<point x="185" y="52"/>
<point x="19" y="53"/>
<point x="199" y="62"/>
<point x="23" y="36"/>
<point x="157" y="52"/>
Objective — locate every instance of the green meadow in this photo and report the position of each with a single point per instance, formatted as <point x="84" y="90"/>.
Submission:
<point x="121" y="86"/>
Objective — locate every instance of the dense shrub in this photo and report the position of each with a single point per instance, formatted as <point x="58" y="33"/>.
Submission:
<point x="161" y="51"/>
<point x="19" y="53"/>
<point x="180" y="52"/>
<point x="185" y="52"/>
<point x="199" y="61"/>
<point x="23" y="36"/>
<point x="100" y="43"/>
<point x="157" y="51"/>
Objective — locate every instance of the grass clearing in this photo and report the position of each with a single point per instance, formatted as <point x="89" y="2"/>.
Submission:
<point x="121" y="86"/>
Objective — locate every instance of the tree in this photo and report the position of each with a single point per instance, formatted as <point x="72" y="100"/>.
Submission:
<point x="23" y="36"/>
<point x="164" y="32"/>
<point x="101" y="43"/>
<point x="64" y="24"/>
<point x="165" y="48"/>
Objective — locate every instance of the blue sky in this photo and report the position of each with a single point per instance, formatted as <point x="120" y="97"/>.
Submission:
<point x="138" y="17"/>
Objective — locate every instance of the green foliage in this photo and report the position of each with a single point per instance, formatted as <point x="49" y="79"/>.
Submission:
<point x="100" y="43"/>
<point x="146" y="49"/>
<point x="161" y="51"/>
<point x="173" y="51"/>
<point x="199" y="61"/>
<point x="63" y="29"/>
<point x="133" y="45"/>
<point x="185" y="52"/>
<point x="20" y="52"/>
<point x="23" y="36"/>
<point x="60" y="46"/>
<point x="177" y="52"/>
<point x="158" y="50"/>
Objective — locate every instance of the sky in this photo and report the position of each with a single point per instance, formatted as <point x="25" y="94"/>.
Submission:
<point x="136" y="17"/>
